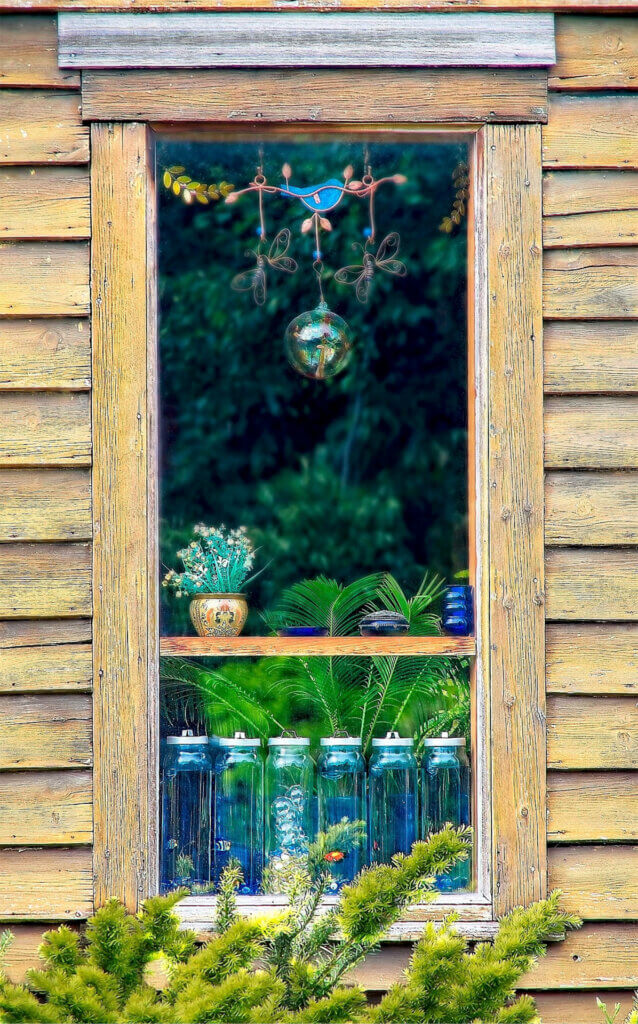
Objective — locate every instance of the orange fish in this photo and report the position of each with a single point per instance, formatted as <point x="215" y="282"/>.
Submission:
<point x="334" y="856"/>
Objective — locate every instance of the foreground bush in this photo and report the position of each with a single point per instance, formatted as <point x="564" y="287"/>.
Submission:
<point x="141" y="969"/>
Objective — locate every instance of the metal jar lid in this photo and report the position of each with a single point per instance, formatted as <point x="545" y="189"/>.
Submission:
<point x="340" y="741"/>
<point x="445" y="741"/>
<point x="186" y="738"/>
<point x="240" y="739"/>
<point x="392" y="739"/>
<point x="288" y="741"/>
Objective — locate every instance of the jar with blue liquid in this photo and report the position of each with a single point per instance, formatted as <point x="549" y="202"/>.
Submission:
<point x="458" y="610"/>
<point x="445" y="798"/>
<point x="239" y="818"/>
<point x="186" y="790"/>
<point x="341" y="797"/>
<point x="392" y="787"/>
<point x="289" y="792"/>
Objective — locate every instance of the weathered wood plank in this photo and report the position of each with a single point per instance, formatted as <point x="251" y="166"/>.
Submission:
<point x="591" y="131"/>
<point x="517" y="638"/>
<point x="589" y="284"/>
<point x="23" y="951"/>
<point x="592" y="807"/>
<point x="29" y="54"/>
<point x="597" y="882"/>
<point x="606" y="6"/>
<point x="42" y="581"/>
<point x="593" y="432"/>
<point x="315" y="96"/>
<point x="45" y="731"/>
<point x="43" y="633"/>
<point x="592" y="732"/>
<point x="45" y="354"/>
<point x="44" y="278"/>
<point x="125" y="561"/>
<point x="591" y="508"/>
<point x="272" y="646"/>
<point x="51" y="883"/>
<point x="368" y="39"/>
<point x="586" y="357"/>
<point x="590" y="208"/>
<point x="45" y="504"/>
<point x="591" y="583"/>
<point x="45" y="429"/>
<point x="575" y="1007"/>
<point x="59" y="667"/>
<point x="596" y="956"/>
<point x="44" y="202"/>
<point x="39" y="127"/>
<point x="595" y="53"/>
<point x="46" y="808"/>
<point x="592" y="658"/>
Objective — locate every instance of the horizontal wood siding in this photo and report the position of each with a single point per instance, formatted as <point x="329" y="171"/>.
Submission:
<point x="45" y="353"/>
<point x="44" y="279"/>
<point x="582" y="356"/>
<point x="23" y="951"/>
<point x="40" y="127"/>
<point x="45" y="504"/>
<point x="591" y="508"/>
<point x="59" y="667"/>
<point x="590" y="283"/>
<point x="593" y="432"/>
<point x="48" y="808"/>
<point x="591" y="583"/>
<point x="592" y="807"/>
<point x="578" y="1007"/>
<point x="25" y="633"/>
<point x="438" y="95"/>
<point x="596" y="956"/>
<point x="46" y="883"/>
<point x="45" y="429"/>
<point x="597" y="882"/>
<point x="29" y="54"/>
<point x="592" y="658"/>
<point x="592" y="732"/>
<point x="45" y="731"/>
<point x="592" y="132"/>
<point x="595" y="53"/>
<point x="45" y="580"/>
<point x="44" y="202"/>
<point x="585" y="208"/>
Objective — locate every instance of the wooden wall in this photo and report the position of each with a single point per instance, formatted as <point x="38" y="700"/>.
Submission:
<point x="590" y="150"/>
<point x="46" y="818"/>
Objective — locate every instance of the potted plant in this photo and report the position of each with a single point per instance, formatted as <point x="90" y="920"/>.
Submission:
<point x="217" y="563"/>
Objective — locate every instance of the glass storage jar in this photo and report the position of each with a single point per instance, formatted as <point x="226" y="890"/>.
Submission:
<point x="341" y="797"/>
<point x="392" y="786"/>
<point x="288" y="804"/>
<point x="239" y="815"/>
<point x="186" y="787"/>
<point x="445" y="798"/>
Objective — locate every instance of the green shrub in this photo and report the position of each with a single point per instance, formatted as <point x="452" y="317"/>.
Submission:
<point x="290" y="968"/>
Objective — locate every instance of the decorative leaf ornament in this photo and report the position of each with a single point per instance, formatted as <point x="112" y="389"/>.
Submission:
<point x="177" y="181"/>
<point x="461" y="179"/>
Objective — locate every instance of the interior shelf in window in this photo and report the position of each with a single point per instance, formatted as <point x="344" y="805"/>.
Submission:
<point x="252" y="646"/>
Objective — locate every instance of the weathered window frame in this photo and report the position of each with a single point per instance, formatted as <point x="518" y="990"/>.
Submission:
<point x="507" y="472"/>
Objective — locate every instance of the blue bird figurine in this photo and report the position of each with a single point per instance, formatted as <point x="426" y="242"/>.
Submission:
<point x="318" y="198"/>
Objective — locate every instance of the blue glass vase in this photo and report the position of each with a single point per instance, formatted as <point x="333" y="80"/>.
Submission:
<point x="445" y="798"/>
<point x="186" y="796"/>
<point x="392" y="786"/>
<point x="341" y="797"/>
<point x="289" y="790"/>
<point x="239" y="817"/>
<point x="458" y="611"/>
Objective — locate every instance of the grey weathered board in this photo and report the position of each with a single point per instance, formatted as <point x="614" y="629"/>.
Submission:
<point x="305" y="39"/>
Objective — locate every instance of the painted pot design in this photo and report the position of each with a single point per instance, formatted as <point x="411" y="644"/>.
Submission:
<point x="219" y="614"/>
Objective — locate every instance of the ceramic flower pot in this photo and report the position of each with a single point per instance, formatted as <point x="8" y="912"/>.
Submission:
<point x="219" y="614"/>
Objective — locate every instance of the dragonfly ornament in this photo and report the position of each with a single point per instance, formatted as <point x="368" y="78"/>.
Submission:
<point x="361" y="275"/>
<point x="255" y="279"/>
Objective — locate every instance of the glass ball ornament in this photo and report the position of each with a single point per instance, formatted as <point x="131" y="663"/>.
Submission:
<point x="318" y="343"/>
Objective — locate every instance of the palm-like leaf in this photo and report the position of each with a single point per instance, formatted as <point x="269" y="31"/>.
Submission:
<point x="417" y="609"/>
<point x="327" y="604"/>
<point x="331" y="687"/>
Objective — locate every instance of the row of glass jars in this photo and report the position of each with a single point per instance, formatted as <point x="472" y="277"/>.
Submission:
<point x="219" y="802"/>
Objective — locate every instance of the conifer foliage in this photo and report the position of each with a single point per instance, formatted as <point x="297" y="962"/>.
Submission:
<point x="291" y="968"/>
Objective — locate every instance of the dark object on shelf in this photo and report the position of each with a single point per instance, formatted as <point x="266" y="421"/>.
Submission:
<point x="458" y="611"/>
<point x="303" y="631"/>
<point x="383" y="623"/>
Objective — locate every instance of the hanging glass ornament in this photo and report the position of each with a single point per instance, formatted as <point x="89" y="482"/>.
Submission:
<point x="318" y="343"/>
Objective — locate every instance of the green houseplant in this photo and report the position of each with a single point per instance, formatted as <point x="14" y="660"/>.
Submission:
<point x="217" y="563"/>
<point x="292" y="968"/>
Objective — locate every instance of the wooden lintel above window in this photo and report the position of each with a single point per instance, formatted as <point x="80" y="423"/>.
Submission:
<point x="309" y="39"/>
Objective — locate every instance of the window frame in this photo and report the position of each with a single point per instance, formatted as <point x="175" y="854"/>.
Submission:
<point x="506" y="477"/>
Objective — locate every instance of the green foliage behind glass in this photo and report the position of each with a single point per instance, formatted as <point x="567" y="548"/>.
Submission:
<point x="365" y="472"/>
